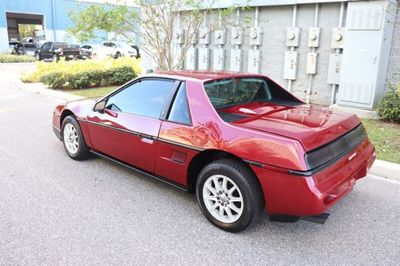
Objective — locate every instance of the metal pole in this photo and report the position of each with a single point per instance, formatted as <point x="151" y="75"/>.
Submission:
<point x="316" y="17"/>
<point x="294" y="22"/>
<point x="337" y="51"/>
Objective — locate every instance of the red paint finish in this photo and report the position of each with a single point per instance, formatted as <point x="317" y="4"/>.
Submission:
<point x="275" y="137"/>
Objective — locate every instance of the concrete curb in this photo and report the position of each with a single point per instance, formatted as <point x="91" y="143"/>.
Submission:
<point x="40" y="88"/>
<point x="386" y="169"/>
<point x="380" y="168"/>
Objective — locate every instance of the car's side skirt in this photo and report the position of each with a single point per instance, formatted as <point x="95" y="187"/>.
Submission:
<point x="184" y="188"/>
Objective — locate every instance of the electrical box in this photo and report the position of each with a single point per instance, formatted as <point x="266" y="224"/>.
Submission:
<point x="313" y="36"/>
<point x="255" y="36"/>
<point x="254" y="63"/>
<point x="192" y="37"/>
<point x="219" y="59"/>
<point x="312" y="63"/>
<point x="293" y="37"/>
<point x="335" y="61"/>
<point x="237" y="36"/>
<point x="204" y="36"/>
<point x="290" y="65"/>
<point x="191" y="59"/>
<point x="366" y="53"/>
<point x="337" y="38"/>
<point x="220" y="37"/>
<point x="180" y="36"/>
<point x="236" y="60"/>
<point x="204" y="59"/>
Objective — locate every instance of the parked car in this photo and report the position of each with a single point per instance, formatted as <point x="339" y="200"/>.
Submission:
<point x="86" y="51"/>
<point x="241" y="142"/>
<point x="55" y="50"/>
<point x="136" y="48"/>
<point x="118" y="49"/>
<point x="26" y="49"/>
<point x="13" y="46"/>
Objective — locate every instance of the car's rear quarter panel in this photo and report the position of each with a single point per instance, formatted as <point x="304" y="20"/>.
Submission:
<point x="311" y="195"/>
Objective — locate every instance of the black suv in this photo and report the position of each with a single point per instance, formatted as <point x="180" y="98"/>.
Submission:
<point x="55" y="50"/>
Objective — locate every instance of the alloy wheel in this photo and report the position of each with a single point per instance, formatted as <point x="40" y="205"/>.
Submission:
<point x="223" y="198"/>
<point x="71" y="138"/>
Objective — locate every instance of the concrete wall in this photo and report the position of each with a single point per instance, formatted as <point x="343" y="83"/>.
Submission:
<point x="275" y="20"/>
<point x="393" y="75"/>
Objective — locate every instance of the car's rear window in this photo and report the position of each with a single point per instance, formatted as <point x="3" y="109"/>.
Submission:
<point x="61" y="45"/>
<point x="236" y="91"/>
<point x="229" y="92"/>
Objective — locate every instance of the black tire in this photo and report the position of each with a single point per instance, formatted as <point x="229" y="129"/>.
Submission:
<point x="82" y="150"/>
<point x="117" y="55"/>
<point x="38" y="57"/>
<point x="250" y="190"/>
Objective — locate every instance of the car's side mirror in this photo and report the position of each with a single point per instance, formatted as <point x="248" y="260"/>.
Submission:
<point x="100" y="106"/>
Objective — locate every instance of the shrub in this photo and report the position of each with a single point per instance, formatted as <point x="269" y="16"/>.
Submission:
<point x="12" y="58"/>
<point x="389" y="106"/>
<point x="85" y="74"/>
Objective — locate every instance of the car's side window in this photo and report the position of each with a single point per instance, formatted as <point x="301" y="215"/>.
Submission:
<point x="145" y="97"/>
<point x="179" y="112"/>
<point x="46" y="46"/>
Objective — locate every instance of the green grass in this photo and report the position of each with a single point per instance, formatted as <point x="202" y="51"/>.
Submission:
<point x="11" y="58"/>
<point x="93" y="92"/>
<point x="386" y="138"/>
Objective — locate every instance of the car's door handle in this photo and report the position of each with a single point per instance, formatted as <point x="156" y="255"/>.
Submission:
<point x="146" y="138"/>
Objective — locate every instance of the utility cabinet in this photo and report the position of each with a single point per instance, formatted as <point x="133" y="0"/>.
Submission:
<point x="366" y="48"/>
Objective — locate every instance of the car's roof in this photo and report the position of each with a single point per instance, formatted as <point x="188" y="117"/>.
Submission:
<point x="204" y="75"/>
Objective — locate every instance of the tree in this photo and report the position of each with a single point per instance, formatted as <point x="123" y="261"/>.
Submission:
<point x="154" y="21"/>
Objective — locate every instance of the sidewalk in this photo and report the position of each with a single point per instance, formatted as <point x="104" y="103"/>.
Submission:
<point x="380" y="168"/>
<point x="41" y="89"/>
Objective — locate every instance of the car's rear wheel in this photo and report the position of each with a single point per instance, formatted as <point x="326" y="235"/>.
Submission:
<point x="229" y="195"/>
<point x="117" y="55"/>
<point x="73" y="140"/>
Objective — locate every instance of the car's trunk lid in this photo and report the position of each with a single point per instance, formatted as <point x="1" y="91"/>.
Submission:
<point x="312" y="125"/>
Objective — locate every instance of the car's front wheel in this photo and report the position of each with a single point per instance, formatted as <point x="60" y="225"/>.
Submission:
<point x="229" y="195"/>
<point x="73" y="140"/>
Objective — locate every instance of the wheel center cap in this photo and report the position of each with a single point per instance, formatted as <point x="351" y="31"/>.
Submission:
<point x="224" y="198"/>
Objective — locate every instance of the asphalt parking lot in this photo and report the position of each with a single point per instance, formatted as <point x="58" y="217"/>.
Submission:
<point x="56" y="211"/>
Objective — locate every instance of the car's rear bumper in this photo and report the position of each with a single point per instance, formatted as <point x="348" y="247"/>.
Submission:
<point x="290" y="194"/>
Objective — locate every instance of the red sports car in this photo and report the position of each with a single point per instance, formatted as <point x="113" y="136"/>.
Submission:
<point x="241" y="142"/>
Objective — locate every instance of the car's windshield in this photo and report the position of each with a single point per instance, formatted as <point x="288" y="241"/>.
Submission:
<point x="234" y="91"/>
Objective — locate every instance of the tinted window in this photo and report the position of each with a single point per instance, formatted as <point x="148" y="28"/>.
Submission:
<point x="146" y="97"/>
<point x="229" y="92"/>
<point x="180" y="109"/>
<point x="46" y="46"/>
<point x="60" y="45"/>
<point x="30" y="46"/>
